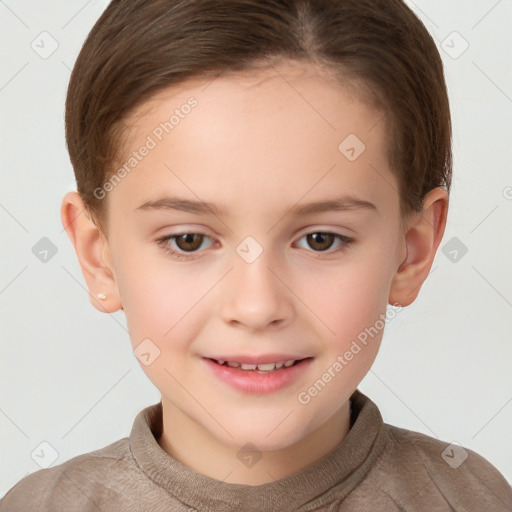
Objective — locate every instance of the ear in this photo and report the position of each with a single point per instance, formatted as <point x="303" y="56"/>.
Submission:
<point x="93" y="253"/>
<point x="423" y="235"/>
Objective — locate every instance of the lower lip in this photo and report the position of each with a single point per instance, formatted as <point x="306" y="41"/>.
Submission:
<point x="258" y="383"/>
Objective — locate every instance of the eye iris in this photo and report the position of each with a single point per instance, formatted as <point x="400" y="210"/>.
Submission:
<point x="188" y="241"/>
<point x="320" y="238"/>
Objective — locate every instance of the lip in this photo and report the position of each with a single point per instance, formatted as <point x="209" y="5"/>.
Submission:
<point x="258" y="359"/>
<point x="255" y="383"/>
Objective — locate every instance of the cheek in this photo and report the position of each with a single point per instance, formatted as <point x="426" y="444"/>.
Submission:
<point x="158" y="297"/>
<point x="350" y="299"/>
<point x="163" y="308"/>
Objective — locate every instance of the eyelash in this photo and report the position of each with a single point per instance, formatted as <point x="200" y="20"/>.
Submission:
<point x="164" y="243"/>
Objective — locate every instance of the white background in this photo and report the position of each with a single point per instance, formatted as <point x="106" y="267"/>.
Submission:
<point x="67" y="372"/>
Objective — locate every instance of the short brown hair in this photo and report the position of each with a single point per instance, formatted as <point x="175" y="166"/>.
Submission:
<point x="137" y="48"/>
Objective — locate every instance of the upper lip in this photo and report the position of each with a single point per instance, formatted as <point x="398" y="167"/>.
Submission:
<point x="258" y="359"/>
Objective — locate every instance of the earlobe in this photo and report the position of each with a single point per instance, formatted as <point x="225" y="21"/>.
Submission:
<point x="422" y="238"/>
<point x="91" y="248"/>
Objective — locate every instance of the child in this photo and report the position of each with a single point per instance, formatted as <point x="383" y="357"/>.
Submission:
<point x="259" y="128"/>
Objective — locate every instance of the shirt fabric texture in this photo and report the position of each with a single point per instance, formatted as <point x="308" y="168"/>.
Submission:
<point x="377" y="467"/>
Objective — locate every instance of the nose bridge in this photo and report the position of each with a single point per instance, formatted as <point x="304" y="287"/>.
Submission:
<point x="255" y="297"/>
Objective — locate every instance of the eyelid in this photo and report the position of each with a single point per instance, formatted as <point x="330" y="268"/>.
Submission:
<point x="345" y="243"/>
<point x="164" y="243"/>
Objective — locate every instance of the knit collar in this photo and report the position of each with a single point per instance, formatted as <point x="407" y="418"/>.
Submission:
<point x="332" y="477"/>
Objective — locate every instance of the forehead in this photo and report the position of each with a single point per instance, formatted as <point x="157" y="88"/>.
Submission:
<point x="287" y="130"/>
<point x="287" y="88"/>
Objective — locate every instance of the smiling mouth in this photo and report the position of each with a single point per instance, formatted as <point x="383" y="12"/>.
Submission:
<point x="259" y="368"/>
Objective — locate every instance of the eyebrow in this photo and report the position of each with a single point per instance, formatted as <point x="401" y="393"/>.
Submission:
<point x="346" y="203"/>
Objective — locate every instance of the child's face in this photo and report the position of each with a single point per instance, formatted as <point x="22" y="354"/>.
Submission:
<point x="257" y="148"/>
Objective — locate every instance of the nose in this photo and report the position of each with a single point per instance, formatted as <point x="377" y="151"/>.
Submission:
<point x="255" y="297"/>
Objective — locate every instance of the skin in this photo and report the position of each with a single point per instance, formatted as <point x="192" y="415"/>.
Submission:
<point x="256" y="145"/>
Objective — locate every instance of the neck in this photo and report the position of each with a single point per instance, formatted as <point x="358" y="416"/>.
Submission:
<point x="193" y="446"/>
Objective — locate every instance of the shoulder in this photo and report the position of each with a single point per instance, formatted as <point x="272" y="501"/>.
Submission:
<point x="94" y="475"/>
<point x="429" y="471"/>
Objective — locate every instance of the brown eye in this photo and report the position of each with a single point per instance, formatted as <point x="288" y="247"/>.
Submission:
<point x="189" y="242"/>
<point x="325" y="242"/>
<point x="184" y="246"/>
<point x="321" y="241"/>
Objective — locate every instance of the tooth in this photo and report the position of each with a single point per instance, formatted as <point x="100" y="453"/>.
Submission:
<point x="266" y="367"/>
<point x="289" y="363"/>
<point x="220" y="361"/>
<point x="279" y="365"/>
<point x="233" y="364"/>
<point x="249" y="366"/>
